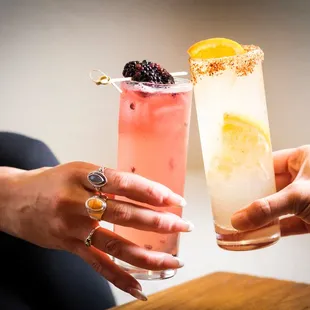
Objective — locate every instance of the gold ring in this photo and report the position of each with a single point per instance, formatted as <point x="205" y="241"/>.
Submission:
<point x="96" y="206"/>
<point x="87" y="241"/>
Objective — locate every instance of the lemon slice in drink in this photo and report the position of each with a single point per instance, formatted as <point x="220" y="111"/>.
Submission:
<point x="244" y="132"/>
<point x="215" y="48"/>
<point x="244" y="143"/>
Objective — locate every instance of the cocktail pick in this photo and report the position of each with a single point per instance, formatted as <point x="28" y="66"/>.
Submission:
<point x="104" y="79"/>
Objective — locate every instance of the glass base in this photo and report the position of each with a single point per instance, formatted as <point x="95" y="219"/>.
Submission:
<point x="232" y="240"/>
<point x="143" y="274"/>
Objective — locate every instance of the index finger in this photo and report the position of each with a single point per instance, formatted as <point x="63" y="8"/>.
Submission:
<point x="280" y="160"/>
<point x="135" y="187"/>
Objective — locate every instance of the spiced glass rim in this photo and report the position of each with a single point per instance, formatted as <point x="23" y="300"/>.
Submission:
<point x="242" y="64"/>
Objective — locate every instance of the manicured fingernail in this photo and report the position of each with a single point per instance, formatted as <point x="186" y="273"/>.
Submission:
<point x="183" y="203"/>
<point x="176" y="200"/>
<point x="190" y="226"/>
<point x="137" y="294"/>
<point x="179" y="200"/>
<point x="180" y="262"/>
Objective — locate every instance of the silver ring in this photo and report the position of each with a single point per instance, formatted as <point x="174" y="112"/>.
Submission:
<point x="87" y="241"/>
<point x="96" y="206"/>
<point x="97" y="179"/>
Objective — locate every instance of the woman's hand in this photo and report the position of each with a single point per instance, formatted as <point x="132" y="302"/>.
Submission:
<point x="292" y="171"/>
<point x="47" y="207"/>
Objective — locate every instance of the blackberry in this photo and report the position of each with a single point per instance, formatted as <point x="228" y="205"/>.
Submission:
<point x="130" y="69"/>
<point x="147" y="71"/>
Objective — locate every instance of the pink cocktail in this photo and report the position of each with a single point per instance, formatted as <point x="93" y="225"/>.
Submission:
<point x="153" y="138"/>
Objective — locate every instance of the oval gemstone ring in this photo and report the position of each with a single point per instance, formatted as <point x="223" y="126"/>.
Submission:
<point x="97" y="179"/>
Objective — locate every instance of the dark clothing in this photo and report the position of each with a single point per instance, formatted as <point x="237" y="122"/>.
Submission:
<point x="37" y="278"/>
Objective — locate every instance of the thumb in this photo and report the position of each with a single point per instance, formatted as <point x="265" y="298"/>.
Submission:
<point x="291" y="200"/>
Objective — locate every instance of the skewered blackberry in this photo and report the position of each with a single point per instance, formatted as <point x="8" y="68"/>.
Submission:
<point x="147" y="71"/>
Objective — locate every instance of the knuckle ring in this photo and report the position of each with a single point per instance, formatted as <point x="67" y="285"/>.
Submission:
<point x="96" y="206"/>
<point x="97" y="178"/>
<point x="87" y="241"/>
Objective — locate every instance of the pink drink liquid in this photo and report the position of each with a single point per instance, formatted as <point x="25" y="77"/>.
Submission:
<point x="153" y="138"/>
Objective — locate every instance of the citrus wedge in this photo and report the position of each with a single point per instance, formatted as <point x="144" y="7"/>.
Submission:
<point x="244" y="132"/>
<point x="244" y="143"/>
<point x="215" y="48"/>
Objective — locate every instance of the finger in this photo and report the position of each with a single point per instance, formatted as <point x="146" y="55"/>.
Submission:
<point x="116" y="246"/>
<point x="130" y="215"/>
<point x="134" y="187"/>
<point x="283" y="180"/>
<point x="293" y="225"/>
<point x="265" y="210"/>
<point x="138" y="188"/>
<point x="108" y="269"/>
<point x="280" y="159"/>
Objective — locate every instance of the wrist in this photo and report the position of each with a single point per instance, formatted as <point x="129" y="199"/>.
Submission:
<point x="11" y="180"/>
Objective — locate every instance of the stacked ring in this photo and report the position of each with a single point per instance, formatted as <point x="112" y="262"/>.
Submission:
<point x="95" y="206"/>
<point x="87" y="241"/>
<point x="97" y="179"/>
